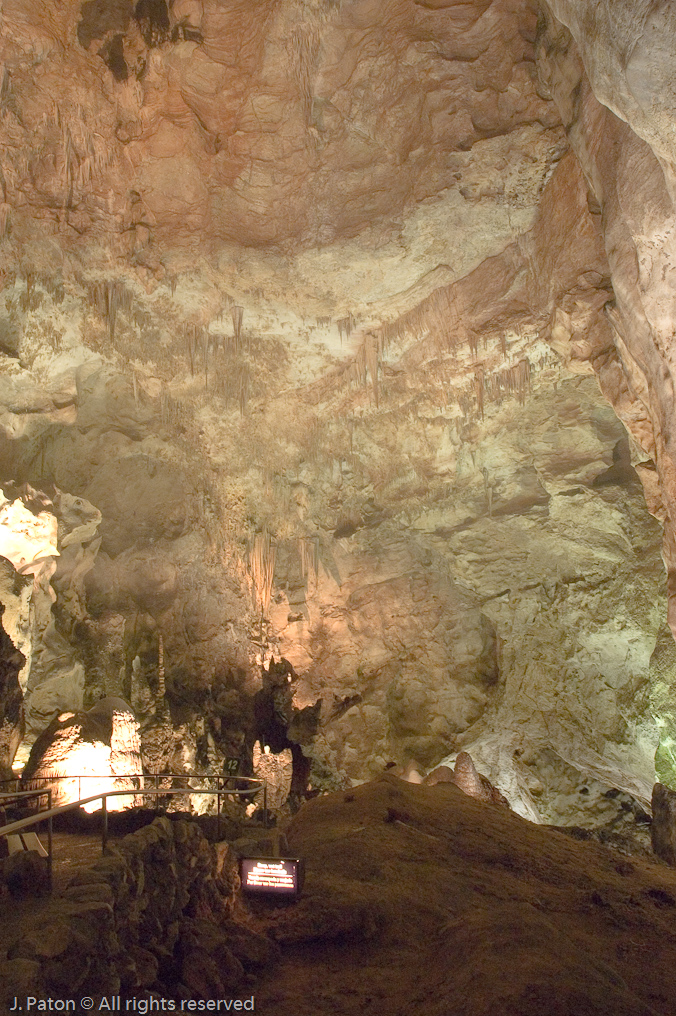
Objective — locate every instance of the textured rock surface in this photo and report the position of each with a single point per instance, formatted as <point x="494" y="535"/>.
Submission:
<point x="538" y="922"/>
<point x="301" y="304"/>
<point x="663" y="828"/>
<point x="83" y="754"/>
<point x="150" y="914"/>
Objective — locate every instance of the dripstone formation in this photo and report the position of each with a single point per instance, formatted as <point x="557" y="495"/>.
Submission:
<point x="336" y="398"/>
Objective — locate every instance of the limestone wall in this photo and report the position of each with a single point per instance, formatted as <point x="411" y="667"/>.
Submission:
<point x="156" y="912"/>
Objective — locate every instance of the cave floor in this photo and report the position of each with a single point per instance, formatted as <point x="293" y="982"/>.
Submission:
<point x="420" y="899"/>
<point x="71" y="852"/>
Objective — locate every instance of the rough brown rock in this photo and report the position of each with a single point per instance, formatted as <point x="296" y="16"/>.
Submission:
<point x="25" y="873"/>
<point x="663" y="827"/>
<point x="466" y="777"/>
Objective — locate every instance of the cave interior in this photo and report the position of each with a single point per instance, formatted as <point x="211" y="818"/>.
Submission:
<point x="336" y="433"/>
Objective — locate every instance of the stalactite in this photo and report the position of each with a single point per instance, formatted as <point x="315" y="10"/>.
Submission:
<point x="521" y="379"/>
<point x="234" y="384"/>
<point x="346" y="326"/>
<point x="109" y="298"/>
<point x="371" y="356"/>
<point x="323" y="322"/>
<point x="204" y="342"/>
<point x="5" y="85"/>
<point x="308" y="550"/>
<point x="191" y="343"/>
<point x="5" y="218"/>
<point x="479" y="388"/>
<point x="237" y="318"/>
<point x="172" y="411"/>
<point x="262" y="556"/>
<point x="244" y="386"/>
<point x="161" y="689"/>
<point x="488" y="490"/>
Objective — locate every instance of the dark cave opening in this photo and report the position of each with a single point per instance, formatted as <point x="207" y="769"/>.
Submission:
<point x="112" y="54"/>
<point x="153" y="21"/>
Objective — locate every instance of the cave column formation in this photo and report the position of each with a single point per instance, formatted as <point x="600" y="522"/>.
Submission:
<point x="336" y="344"/>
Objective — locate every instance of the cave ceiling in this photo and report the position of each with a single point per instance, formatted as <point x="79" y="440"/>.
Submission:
<point x="342" y="331"/>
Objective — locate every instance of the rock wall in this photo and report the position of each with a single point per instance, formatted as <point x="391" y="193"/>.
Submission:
<point x="589" y="83"/>
<point x="302" y="303"/>
<point x="157" y="912"/>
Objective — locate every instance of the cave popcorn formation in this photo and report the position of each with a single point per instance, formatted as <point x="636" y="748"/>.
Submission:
<point x="334" y="393"/>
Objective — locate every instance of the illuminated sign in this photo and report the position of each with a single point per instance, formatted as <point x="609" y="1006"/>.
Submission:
<point x="274" y="876"/>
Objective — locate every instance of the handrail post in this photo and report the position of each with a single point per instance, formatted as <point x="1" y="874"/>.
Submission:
<point x="104" y="830"/>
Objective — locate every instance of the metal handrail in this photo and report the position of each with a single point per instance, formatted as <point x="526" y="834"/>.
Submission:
<point x="154" y="777"/>
<point x="40" y="816"/>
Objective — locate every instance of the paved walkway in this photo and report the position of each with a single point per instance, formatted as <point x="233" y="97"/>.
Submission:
<point x="72" y="851"/>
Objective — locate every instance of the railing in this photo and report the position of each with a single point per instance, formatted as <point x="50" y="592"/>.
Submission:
<point x="19" y="797"/>
<point x="23" y="783"/>
<point x="41" y="816"/>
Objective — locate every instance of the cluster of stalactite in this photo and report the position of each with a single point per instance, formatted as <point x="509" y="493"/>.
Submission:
<point x="366" y="362"/>
<point x="231" y="381"/>
<point x="437" y="316"/>
<point x="346" y="325"/>
<point x="109" y="298"/>
<point x="308" y="551"/>
<point x="173" y="411"/>
<point x="305" y="42"/>
<point x="514" y="380"/>
<point x="262" y="555"/>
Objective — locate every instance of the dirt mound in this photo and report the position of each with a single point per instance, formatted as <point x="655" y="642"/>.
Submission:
<point x="423" y="900"/>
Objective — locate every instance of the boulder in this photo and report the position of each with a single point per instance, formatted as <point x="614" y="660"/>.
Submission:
<point x="663" y="829"/>
<point x="25" y="873"/>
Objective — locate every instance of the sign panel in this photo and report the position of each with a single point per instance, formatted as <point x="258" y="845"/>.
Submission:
<point x="273" y="876"/>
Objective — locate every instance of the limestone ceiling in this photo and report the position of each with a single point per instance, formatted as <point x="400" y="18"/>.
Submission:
<point x="308" y="159"/>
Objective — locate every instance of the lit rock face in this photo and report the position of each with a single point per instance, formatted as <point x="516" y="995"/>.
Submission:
<point x="625" y="65"/>
<point x="56" y="679"/>
<point x="304" y="301"/>
<point x="11" y="698"/>
<point x="280" y="128"/>
<point x="27" y="538"/>
<point x="532" y="613"/>
<point x="31" y="527"/>
<point x="102" y="746"/>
